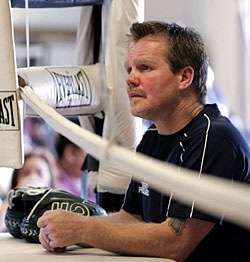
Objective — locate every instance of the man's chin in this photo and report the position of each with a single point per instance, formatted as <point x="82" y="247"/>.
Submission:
<point x="137" y="114"/>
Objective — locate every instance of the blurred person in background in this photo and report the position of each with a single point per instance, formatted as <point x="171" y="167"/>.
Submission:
<point x="39" y="169"/>
<point x="38" y="133"/>
<point x="70" y="160"/>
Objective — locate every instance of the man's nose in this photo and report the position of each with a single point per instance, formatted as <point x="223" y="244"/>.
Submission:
<point x="132" y="80"/>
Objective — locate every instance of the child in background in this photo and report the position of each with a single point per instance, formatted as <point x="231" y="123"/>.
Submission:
<point x="39" y="169"/>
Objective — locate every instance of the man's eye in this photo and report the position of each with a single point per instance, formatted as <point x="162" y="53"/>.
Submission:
<point x="144" y="67"/>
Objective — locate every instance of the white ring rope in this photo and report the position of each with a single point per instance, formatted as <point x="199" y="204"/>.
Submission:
<point x="214" y="195"/>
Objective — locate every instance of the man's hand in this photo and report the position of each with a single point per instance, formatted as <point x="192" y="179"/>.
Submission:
<point x="59" y="229"/>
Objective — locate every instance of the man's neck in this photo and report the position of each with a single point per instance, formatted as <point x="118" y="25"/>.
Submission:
<point x="178" y="120"/>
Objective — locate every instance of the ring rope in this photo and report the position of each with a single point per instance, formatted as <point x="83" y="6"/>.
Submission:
<point x="214" y="195"/>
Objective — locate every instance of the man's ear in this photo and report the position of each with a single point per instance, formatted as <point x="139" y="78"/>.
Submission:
<point x="186" y="77"/>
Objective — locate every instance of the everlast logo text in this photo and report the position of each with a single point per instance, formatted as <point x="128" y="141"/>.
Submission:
<point x="75" y="207"/>
<point x="72" y="88"/>
<point x="8" y="111"/>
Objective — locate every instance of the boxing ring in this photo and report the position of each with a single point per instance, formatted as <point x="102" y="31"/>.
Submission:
<point x="115" y="148"/>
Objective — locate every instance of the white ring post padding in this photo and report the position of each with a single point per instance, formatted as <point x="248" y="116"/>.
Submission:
<point x="214" y="195"/>
<point x="11" y="153"/>
<point x="84" y="53"/>
<point x="71" y="90"/>
<point x="119" y="124"/>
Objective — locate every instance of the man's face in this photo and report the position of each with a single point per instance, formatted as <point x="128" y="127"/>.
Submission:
<point x="152" y="87"/>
